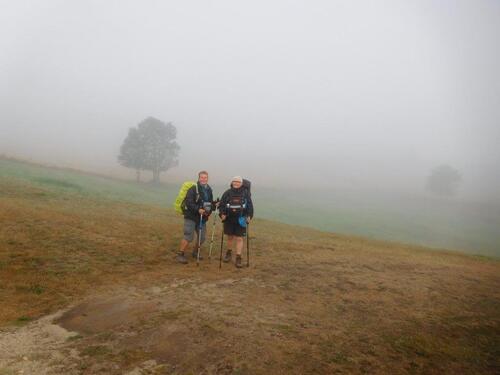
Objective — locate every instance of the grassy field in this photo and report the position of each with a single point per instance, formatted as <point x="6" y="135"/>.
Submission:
<point x="420" y="220"/>
<point x="311" y="303"/>
<point x="87" y="185"/>
<point x="417" y="219"/>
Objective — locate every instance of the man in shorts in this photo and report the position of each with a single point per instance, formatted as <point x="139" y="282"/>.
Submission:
<point x="235" y="210"/>
<point x="197" y="209"/>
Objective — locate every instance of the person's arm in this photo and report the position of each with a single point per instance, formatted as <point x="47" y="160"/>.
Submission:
<point x="222" y="206"/>
<point x="211" y="199"/>
<point x="191" y="203"/>
<point x="249" y="210"/>
<point x="210" y="209"/>
<point x="215" y="204"/>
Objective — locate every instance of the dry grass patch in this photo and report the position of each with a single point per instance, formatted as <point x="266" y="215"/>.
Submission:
<point x="58" y="248"/>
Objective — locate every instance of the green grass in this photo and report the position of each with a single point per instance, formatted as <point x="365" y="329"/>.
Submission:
<point x="58" y="183"/>
<point x="418" y="220"/>
<point x="96" y="350"/>
<point x="88" y="185"/>
<point x="74" y="337"/>
<point x="22" y="321"/>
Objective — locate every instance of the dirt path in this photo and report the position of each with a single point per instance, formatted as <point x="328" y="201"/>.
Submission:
<point x="40" y="347"/>
<point x="180" y="325"/>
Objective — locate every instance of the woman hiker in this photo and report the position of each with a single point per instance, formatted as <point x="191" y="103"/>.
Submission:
<point x="236" y="211"/>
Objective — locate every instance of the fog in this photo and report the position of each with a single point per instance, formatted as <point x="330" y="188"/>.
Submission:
<point x="342" y="94"/>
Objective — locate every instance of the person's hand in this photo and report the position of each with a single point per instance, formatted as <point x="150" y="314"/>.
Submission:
<point x="217" y="203"/>
<point x="201" y="211"/>
<point x="248" y="219"/>
<point x="223" y="217"/>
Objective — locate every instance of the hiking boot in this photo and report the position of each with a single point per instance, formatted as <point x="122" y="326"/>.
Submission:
<point x="238" y="261"/>
<point x="228" y="256"/>
<point x="181" y="258"/>
<point x="195" y="254"/>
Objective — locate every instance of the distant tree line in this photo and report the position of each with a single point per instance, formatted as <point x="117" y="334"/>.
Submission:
<point x="150" y="146"/>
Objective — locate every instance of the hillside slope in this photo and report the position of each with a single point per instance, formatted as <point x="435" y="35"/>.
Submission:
<point x="470" y="227"/>
<point x="311" y="302"/>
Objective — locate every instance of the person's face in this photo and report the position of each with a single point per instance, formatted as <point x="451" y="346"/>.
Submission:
<point x="203" y="179"/>
<point x="236" y="184"/>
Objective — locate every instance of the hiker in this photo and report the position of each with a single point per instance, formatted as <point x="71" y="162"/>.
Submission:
<point x="197" y="207"/>
<point x="236" y="211"/>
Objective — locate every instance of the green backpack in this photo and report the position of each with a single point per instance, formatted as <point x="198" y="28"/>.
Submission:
<point x="179" y="204"/>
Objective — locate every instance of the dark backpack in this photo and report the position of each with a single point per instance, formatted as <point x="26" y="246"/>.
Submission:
<point x="247" y="185"/>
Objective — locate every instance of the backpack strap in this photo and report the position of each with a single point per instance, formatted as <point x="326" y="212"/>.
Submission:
<point x="183" y="205"/>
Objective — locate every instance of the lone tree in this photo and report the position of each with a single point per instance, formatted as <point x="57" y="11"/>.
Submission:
<point x="444" y="180"/>
<point x="151" y="147"/>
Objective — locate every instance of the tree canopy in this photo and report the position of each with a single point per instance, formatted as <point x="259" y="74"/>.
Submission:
<point x="151" y="146"/>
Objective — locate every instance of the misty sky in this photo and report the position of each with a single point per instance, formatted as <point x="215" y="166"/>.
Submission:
<point x="331" y="93"/>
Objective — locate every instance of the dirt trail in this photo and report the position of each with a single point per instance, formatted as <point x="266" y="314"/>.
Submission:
<point x="37" y="348"/>
<point x="187" y="325"/>
<point x="159" y="329"/>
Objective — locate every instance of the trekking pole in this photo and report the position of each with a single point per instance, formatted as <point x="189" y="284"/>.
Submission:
<point x="212" y="240"/>
<point x="221" y="245"/>
<point x="199" y="241"/>
<point x="248" y="245"/>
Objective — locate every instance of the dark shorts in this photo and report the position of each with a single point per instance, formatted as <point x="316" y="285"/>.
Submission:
<point x="233" y="228"/>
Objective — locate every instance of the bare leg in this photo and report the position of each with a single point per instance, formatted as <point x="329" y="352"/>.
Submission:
<point x="228" y="256"/>
<point x="239" y="245"/>
<point x="230" y="242"/>
<point x="184" y="245"/>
